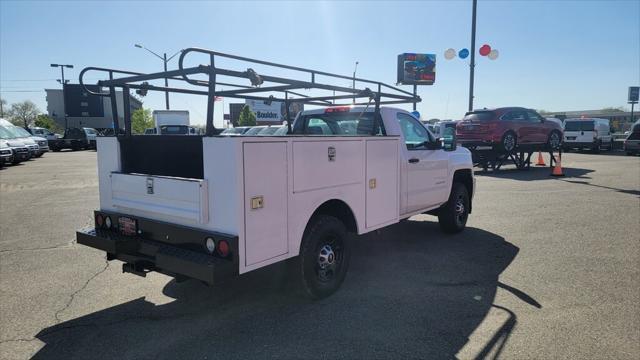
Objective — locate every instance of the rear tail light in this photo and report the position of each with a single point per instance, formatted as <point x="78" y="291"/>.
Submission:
<point x="223" y="248"/>
<point x="99" y="220"/>
<point x="107" y="222"/>
<point x="210" y="245"/>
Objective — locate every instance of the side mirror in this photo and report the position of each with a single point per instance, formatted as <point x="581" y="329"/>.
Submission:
<point x="449" y="140"/>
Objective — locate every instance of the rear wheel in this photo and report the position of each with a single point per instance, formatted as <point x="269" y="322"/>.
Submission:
<point x="454" y="214"/>
<point x="509" y="142"/>
<point x="324" y="256"/>
<point x="596" y="147"/>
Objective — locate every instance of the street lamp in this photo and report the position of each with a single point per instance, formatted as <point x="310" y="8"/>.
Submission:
<point x="354" y="81"/>
<point x="165" y="61"/>
<point x="63" y="82"/>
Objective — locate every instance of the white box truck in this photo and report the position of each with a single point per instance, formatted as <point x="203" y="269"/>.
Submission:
<point x="171" y="122"/>
<point x="244" y="202"/>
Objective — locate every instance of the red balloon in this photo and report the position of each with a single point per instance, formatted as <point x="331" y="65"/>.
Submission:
<point x="485" y="50"/>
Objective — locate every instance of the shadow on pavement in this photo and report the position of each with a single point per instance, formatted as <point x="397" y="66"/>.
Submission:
<point x="534" y="173"/>
<point x="624" y="191"/>
<point x="411" y="292"/>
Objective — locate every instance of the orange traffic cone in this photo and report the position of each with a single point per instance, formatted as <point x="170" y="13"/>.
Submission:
<point x="540" y="160"/>
<point x="557" y="170"/>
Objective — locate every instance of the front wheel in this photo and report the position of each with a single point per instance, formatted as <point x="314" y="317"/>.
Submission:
<point x="324" y="256"/>
<point x="454" y="214"/>
<point x="554" y="142"/>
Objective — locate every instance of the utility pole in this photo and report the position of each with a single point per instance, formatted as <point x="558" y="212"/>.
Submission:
<point x="165" y="61"/>
<point x="353" y="86"/>
<point x="472" y="65"/>
<point x="64" y="98"/>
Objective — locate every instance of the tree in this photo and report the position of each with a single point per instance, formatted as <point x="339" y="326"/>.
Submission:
<point x="612" y="109"/>
<point x="46" y="122"/>
<point x="23" y="113"/>
<point x="247" y="117"/>
<point x="140" y="120"/>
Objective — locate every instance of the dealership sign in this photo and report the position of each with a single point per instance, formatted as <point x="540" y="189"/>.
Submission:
<point x="273" y="112"/>
<point x="634" y="91"/>
<point x="416" y="69"/>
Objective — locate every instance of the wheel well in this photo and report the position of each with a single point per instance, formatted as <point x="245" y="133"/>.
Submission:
<point x="340" y="210"/>
<point x="465" y="177"/>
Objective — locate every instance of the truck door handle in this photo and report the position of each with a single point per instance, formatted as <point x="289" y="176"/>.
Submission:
<point x="414" y="160"/>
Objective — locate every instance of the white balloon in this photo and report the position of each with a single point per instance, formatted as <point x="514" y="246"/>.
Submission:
<point x="449" y="54"/>
<point x="493" y="54"/>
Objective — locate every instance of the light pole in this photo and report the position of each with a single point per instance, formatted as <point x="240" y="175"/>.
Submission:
<point x="353" y="86"/>
<point x="165" y="61"/>
<point x="64" y="98"/>
<point x="472" y="65"/>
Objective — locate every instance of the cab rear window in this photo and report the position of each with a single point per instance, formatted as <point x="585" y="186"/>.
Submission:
<point x="479" y="116"/>
<point x="338" y="123"/>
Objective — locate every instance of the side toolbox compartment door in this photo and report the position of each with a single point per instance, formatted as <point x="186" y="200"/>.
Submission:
<point x="265" y="201"/>
<point x="382" y="190"/>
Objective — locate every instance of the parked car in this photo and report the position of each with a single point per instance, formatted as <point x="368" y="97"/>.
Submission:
<point x="282" y="131"/>
<point x="587" y="133"/>
<point x="43" y="144"/>
<point x="6" y="154"/>
<point x="439" y="128"/>
<point x="507" y="128"/>
<point x="23" y="136"/>
<point x="43" y="133"/>
<point x="238" y="130"/>
<point x="91" y="134"/>
<point x="18" y="148"/>
<point x="632" y="142"/>
<point x="73" y="138"/>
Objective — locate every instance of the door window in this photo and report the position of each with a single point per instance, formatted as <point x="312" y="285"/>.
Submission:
<point x="514" y="116"/>
<point x="416" y="136"/>
<point x="534" y="117"/>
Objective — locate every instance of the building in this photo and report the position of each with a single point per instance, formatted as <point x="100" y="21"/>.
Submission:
<point x="84" y="109"/>
<point x="620" y="120"/>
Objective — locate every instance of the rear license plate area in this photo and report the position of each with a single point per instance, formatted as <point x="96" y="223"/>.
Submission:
<point x="127" y="226"/>
<point x="571" y="137"/>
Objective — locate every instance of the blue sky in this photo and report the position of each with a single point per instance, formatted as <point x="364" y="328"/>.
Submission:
<point x="554" y="55"/>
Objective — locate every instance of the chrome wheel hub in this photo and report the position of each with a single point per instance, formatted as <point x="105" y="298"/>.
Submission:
<point x="326" y="257"/>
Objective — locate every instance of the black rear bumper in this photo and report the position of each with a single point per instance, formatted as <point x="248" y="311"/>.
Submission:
<point x="145" y="255"/>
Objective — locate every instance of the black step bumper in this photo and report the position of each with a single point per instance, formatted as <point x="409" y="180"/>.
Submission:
<point x="145" y="255"/>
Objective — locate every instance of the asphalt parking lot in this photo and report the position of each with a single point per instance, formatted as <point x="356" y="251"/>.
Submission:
<point x="548" y="268"/>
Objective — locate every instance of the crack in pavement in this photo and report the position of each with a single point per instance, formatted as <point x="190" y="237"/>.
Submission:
<point x="73" y="295"/>
<point x="62" y="246"/>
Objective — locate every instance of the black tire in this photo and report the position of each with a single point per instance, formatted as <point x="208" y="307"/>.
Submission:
<point x="509" y="142"/>
<point x="454" y="214"/>
<point x="324" y="257"/>
<point x="596" y="147"/>
<point x="554" y="141"/>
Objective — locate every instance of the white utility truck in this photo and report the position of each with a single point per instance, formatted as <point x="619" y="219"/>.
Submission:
<point x="171" y="122"/>
<point x="211" y="207"/>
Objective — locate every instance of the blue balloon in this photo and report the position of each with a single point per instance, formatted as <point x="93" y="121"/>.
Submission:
<point x="416" y="114"/>
<point x="463" y="53"/>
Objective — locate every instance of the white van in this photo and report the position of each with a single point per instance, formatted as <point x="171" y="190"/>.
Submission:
<point x="587" y="133"/>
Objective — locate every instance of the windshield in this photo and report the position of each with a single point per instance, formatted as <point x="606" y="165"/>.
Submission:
<point x="174" y="130"/>
<point x="254" y="130"/>
<point x="578" y="125"/>
<point x="269" y="131"/>
<point x="353" y="123"/>
<point x="234" y="131"/>
<point x="281" y="131"/>
<point x="6" y="134"/>
<point x="479" y="116"/>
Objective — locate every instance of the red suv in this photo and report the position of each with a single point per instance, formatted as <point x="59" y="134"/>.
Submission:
<point x="507" y="128"/>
